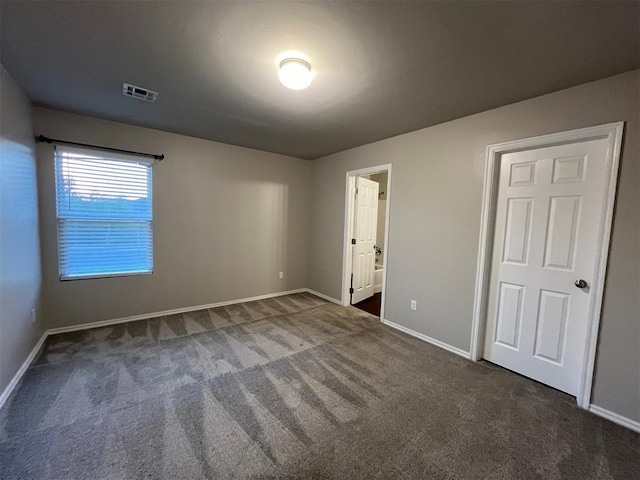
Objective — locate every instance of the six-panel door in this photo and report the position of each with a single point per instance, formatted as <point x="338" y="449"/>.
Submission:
<point x="545" y="239"/>
<point x="365" y="229"/>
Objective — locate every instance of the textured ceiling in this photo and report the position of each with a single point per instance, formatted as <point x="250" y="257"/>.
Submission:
<point x="382" y="68"/>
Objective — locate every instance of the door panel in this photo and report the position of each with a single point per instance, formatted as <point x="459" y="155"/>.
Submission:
<point x="551" y="326"/>
<point x="569" y="169"/>
<point x="517" y="230"/>
<point x="509" y="314"/>
<point x="545" y="238"/>
<point x="562" y="232"/>
<point x="365" y="230"/>
<point x="522" y="174"/>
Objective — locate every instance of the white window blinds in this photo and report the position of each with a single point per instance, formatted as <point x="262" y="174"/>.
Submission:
<point x="104" y="211"/>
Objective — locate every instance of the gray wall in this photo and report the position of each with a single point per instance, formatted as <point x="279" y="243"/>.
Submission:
<point x="19" y="247"/>
<point x="227" y="220"/>
<point x="436" y="199"/>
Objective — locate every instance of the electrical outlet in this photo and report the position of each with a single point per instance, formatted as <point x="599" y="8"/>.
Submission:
<point x="281" y="274"/>
<point x="33" y="315"/>
<point x="414" y="305"/>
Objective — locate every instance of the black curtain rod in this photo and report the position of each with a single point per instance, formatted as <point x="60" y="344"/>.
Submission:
<point x="43" y="139"/>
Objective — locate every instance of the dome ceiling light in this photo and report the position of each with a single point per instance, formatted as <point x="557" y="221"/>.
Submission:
<point x="295" y="73"/>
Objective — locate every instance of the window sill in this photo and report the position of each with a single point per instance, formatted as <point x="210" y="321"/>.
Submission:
<point x="103" y="275"/>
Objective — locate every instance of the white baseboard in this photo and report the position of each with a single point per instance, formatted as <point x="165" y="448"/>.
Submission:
<point x="23" y="368"/>
<point x="144" y="316"/>
<point x="322" y="295"/>
<point x="615" y="418"/>
<point x="433" y="341"/>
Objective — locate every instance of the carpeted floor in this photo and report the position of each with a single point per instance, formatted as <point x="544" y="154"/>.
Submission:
<point x="292" y="387"/>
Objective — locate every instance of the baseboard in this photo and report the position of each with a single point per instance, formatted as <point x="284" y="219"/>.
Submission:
<point x="144" y="316"/>
<point x="433" y="341"/>
<point x="23" y="368"/>
<point x="615" y="418"/>
<point x="322" y="295"/>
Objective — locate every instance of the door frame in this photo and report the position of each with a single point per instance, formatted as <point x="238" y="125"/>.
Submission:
<point x="349" y="204"/>
<point x="612" y="132"/>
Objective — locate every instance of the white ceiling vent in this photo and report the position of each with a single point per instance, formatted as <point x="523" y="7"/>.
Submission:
<point x="139" y="93"/>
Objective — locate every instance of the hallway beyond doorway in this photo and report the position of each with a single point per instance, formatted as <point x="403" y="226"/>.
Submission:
<point x="371" y="305"/>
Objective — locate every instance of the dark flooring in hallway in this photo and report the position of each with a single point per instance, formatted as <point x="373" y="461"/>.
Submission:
<point x="371" y="305"/>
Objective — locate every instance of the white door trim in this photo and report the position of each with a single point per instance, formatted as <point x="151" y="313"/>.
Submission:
<point x="348" y="231"/>
<point x="613" y="133"/>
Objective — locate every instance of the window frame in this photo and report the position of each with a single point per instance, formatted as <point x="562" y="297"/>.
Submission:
<point x="98" y="154"/>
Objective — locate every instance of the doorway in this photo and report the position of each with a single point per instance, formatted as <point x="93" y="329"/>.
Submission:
<point x="546" y="223"/>
<point x="367" y="207"/>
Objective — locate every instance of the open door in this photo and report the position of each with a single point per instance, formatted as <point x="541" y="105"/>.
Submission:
<point x="364" y="233"/>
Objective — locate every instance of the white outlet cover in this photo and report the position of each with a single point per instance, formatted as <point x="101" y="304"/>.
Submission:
<point x="414" y="305"/>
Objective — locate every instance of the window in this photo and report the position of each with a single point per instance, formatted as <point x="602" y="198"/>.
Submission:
<point x="104" y="212"/>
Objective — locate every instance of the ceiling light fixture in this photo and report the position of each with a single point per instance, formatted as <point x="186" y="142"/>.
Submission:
<point x="295" y="73"/>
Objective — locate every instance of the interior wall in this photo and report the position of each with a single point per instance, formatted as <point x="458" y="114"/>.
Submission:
<point x="227" y="220"/>
<point x="435" y="222"/>
<point x="19" y="246"/>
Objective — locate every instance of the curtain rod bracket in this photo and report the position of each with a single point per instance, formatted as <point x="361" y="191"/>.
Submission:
<point x="43" y="139"/>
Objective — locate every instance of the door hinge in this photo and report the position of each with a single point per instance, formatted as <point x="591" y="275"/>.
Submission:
<point x="353" y="241"/>
<point x="351" y="289"/>
<point x="356" y="191"/>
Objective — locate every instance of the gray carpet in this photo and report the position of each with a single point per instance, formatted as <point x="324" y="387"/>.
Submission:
<point x="292" y="387"/>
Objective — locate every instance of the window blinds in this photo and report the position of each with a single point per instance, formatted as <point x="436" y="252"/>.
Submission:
<point x="104" y="212"/>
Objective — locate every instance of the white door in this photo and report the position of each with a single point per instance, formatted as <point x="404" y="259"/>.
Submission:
<point x="364" y="233"/>
<point x="548" y="210"/>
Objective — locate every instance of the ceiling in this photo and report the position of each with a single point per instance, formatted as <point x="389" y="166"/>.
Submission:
<point x="382" y="68"/>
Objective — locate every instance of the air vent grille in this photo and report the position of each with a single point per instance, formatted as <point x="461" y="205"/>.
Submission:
<point x="139" y="93"/>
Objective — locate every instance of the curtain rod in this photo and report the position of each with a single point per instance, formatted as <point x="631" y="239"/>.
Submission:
<point x="43" y="139"/>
